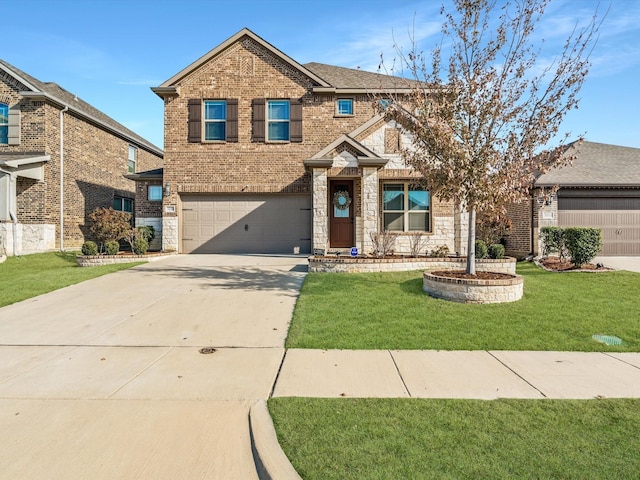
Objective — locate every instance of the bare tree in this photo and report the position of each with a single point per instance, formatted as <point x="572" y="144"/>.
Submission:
<point x="480" y="120"/>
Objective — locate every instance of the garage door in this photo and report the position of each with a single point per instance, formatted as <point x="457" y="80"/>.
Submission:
<point x="246" y="224"/>
<point x="619" y="219"/>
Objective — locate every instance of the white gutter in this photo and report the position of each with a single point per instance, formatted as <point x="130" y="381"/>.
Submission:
<point x="62" y="177"/>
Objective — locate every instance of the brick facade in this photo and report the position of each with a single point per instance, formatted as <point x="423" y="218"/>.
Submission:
<point x="95" y="160"/>
<point x="247" y="69"/>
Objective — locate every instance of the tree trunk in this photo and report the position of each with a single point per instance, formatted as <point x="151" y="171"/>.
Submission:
<point x="471" y="242"/>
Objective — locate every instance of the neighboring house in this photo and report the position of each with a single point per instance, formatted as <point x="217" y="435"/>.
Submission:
<point x="600" y="189"/>
<point x="60" y="158"/>
<point x="265" y="155"/>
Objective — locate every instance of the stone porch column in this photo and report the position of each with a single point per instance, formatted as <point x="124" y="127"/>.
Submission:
<point x="320" y="221"/>
<point x="370" y="207"/>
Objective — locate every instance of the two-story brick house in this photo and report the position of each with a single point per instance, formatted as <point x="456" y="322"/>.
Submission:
<point x="265" y="155"/>
<point x="60" y="158"/>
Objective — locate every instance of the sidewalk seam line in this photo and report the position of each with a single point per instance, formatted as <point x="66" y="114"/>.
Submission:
<point x="517" y="374"/>
<point x="609" y="354"/>
<point x="406" y="388"/>
<point x="140" y="372"/>
<point x="275" y="380"/>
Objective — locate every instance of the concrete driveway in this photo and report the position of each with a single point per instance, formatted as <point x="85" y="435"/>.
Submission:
<point x="620" y="263"/>
<point x="106" y="379"/>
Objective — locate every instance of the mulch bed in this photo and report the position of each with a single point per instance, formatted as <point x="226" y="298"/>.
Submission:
<point x="477" y="276"/>
<point x="554" y="264"/>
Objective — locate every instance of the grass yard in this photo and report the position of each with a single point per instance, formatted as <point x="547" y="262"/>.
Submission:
<point x="452" y="439"/>
<point x="559" y="311"/>
<point x="31" y="275"/>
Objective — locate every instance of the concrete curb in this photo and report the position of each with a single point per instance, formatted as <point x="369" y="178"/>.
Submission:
<point x="271" y="462"/>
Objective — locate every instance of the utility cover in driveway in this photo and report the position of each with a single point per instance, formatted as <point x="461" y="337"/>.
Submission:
<point x="246" y="223"/>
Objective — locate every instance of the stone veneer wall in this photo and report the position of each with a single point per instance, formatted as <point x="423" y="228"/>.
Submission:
<point x="366" y="265"/>
<point x="29" y="238"/>
<point x="170" y="234"/>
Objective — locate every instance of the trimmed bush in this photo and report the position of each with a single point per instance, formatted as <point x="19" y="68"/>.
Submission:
<point x="140" y="246"/>
<point x="111" y="247"/>
<point x="553" y="241"/>
<point x="147" y="232"/>
<point x="481" y="249"/>
<point x="496" y="251"/>
<point x="583" y="244"/>
<point x="89" y="248"/>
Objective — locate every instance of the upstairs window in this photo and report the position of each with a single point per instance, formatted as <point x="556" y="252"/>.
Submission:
<point x="215" y="120"/>
<point x="344" y="107"/>
<point x="154" y="193"/>
<point x="4" y="123"/>
<point x="278" y="112"/>
<point x="406" y="208"/>
<point x="133" y="157"/>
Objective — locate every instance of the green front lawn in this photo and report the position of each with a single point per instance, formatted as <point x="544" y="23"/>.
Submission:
<point x="559" y="311"/>
<point x="453" y="439"/>
<point x="31" y="275"/>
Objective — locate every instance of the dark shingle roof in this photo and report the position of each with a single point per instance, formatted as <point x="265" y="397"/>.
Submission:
<point x="59" y="94"/>
<point x="596" y="165"/>
<point x="341" y="77"/>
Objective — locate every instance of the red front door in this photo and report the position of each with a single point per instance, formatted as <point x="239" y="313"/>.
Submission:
<point x="342" y="215"/>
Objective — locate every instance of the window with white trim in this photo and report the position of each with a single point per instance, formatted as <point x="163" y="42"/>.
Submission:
<point x="406" y="207"/>
<point x="132" y="159"/>
<point x="4" y="123"/>
<point x="344" y="107"/>
<point x="215" y="120"/>
<point x="278" y="116"/>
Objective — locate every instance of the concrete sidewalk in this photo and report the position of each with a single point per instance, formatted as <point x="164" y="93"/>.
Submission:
<point x="458" y="374"/>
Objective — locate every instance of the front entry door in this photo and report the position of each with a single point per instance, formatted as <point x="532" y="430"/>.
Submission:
<point x="341" y="218"/>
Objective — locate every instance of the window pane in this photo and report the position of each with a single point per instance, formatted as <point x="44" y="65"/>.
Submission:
<point x="215" y="110"/>
<point x="117" y="203"/>
<point x="215" y="131"/>
<point x="393" y="197"/>
<point x="4" y="114"/>
<point x="418" y="222"/>
<point x="4" y="134"/>
<point x="278" y="131"/>
<point x="132" y="153"/>
<point x="418" y="199"/>
<point x="394" y="222"/>
<point x="345" y="107"/>
<point x="278" y="110"/>
<point x="131" y="166"/>
<point x="127" y="205"/>
<point x="155" y="193"/>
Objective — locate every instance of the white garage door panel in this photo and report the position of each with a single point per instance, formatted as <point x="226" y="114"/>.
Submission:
<point x="246" y="224"/>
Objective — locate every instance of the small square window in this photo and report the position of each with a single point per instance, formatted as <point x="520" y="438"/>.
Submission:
<point x="154" y="193"/>
<point x="345" y="106"/>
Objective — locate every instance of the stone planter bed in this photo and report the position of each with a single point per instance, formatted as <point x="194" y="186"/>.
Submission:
<point x="345" y="264"/>
<point x="95" y="260"/>
<point x="466" y="290"/>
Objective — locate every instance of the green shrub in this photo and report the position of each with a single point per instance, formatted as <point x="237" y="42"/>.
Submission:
<point x="553" y="241"/>
<point x="148" y="232"/>
<point x="140" y="246"/>
<point x="89" y="248"/>
<point x="583" y="244"/>
<point x="481" y="249"/>
<point x="111" y="247"/>
<point x="496" y="251"/>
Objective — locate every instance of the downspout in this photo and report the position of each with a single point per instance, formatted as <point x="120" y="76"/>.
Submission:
<point x="12" y="210"/>
<point x="62" y="177"/>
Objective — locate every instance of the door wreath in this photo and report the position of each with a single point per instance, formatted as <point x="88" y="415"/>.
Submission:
<point x="341" y="200"/>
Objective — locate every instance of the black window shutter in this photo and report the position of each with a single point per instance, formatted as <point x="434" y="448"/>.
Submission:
<point x="296" y="121"/>
<point x="232" y="120"/>
<point x="195" y="120"/>
<point x="258" y="119"/>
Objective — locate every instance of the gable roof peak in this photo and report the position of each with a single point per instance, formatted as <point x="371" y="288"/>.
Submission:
<point x="245" y="32"/>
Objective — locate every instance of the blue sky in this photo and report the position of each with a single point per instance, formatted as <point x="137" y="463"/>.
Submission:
<point x="110" y="52"/>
